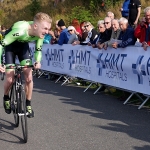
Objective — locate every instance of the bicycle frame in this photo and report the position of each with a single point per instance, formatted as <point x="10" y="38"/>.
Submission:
<point x="18" y="85"/>
<point x="19" y="100"/>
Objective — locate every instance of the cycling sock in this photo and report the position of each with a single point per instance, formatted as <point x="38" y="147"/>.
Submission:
<point x="28" y="102"/>
<point x="6" y="97"/>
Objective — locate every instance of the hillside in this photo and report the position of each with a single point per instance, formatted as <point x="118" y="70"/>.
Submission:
<point x="14" y="10"/>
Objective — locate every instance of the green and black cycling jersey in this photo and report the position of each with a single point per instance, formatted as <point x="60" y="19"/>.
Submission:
<point x="19" y="33"/>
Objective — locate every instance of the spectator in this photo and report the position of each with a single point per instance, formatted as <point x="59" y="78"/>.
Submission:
<point x="76" y="25"/>
<point x="107" y="33"/>
<point x="57" y="27"/>
<point x="84" y="33"/>
<point x="134" y="12"/>
<point x="73" y="36"/>
<point x="64" y="35"/>
<point x="115" y="32"/>
<point x="126" y="34"/>
<point x="3" y="30"/>
<point x="101" y="28"/>
<point x="125" y="9"/>
<point x="48" y="37"/>
<point x="102" y="5"/>
<point x="55" y="34"/>
<point x="110" y="15"/>
<point x="142" y="32"/>
<point x="56" y="2"/>
<point x="92" y="34"/>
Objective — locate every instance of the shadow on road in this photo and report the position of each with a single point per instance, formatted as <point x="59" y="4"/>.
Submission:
<point x="146" y="147"/>
<point x="129" y="120"/>
<point x="5" y="126"/>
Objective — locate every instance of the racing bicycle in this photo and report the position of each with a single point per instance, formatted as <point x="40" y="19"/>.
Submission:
<point x="18" y="99"/>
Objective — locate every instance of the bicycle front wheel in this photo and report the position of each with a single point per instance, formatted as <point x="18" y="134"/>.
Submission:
<point x="14" y="104"/>
<point x="23" y="114"/>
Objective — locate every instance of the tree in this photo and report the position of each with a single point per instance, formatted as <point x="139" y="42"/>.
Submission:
<point x="35" y="6"/>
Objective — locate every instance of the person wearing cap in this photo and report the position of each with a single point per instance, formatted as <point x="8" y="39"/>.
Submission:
<point x="64" y="35"/>
<point x="74" y="35"/>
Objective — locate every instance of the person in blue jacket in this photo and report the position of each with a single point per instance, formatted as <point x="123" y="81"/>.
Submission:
<point x="126" y="36"/>
<point x="64" y="35"/>
<point x="125" y="9"/>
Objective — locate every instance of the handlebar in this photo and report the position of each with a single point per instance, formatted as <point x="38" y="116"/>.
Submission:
<point x="19" y="67"/>
<point x="15" y="67"/>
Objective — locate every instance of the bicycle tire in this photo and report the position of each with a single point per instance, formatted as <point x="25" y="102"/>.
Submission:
<point x="24" y="115"/>
<point x="14" y="104"/>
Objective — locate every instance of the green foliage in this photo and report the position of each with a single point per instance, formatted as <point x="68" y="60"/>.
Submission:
<point x="81" y="14"/>
<point x="95" y="6"/>
<point x="1" y="15"/>
<point x="35" y="6"/>
<point x="92" y="6"/>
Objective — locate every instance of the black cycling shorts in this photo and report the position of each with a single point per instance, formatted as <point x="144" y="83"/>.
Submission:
<point x="19" y="49"/>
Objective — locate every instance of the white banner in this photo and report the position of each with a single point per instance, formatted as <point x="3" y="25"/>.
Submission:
<point x="127" y="68"/>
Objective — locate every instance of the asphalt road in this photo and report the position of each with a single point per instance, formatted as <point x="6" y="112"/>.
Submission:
<point x="66" y="118"/>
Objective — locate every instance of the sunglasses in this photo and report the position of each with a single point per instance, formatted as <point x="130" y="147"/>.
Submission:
<point x="106" y="22"/>
<point x="69" y="30"/>
<point x="86" y="26"/>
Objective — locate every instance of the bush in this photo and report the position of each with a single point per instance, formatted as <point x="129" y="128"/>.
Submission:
<point x="35" y="6"/>
<point x="81" y="14"/>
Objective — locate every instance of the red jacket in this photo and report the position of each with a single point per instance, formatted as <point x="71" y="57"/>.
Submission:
<point x="140" y="33"/>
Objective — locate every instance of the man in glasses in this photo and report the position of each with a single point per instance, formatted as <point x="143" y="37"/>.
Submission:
<point x="115" y="32"/>
<point x="107" y="33"/>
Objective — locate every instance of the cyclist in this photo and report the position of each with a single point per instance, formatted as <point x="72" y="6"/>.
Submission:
<point x="15" y="43"/>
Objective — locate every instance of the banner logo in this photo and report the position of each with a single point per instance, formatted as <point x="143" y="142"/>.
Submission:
<point x="80" y="61"/>
<point x="111" y="65"/>
<point x="139" y="69"/>
<point x="55" y="58"/>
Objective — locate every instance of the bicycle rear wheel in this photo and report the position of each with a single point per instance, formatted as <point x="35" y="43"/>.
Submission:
<point x="23" y="114"/>
<point x="14" y="104"/>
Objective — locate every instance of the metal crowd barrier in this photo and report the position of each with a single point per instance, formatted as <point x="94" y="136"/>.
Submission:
<point x="66" y="80"/>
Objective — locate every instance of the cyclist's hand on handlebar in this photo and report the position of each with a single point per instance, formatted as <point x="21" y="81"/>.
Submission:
<point x="37" y="65"/>
<point x="2" y="68"/>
